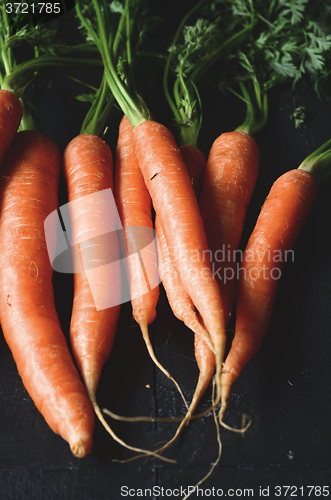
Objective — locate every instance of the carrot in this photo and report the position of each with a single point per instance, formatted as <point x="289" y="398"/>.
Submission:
<point x="11" y="112"/>
<point x="230" y="177"/>
<point x="87" y="163"/>
<point x="279" y="224"/>
<point x="134" y="206"/>
<point x="195" y="163"/>
<point x="135" y="210"/>
<point x="179" y="301"/>
<point x="28" y="194"/>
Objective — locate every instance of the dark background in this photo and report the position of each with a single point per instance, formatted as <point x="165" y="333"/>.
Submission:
<point x="285" y="389"/>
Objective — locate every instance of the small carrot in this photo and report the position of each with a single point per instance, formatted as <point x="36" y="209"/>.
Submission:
<point x="28" y="194"/>
<point x="230" y="177"/>
<point x="179" y="301"/>
<point x="11" y="112"/>
<point x="279" y="224"/>
<point x="135" y="210"/>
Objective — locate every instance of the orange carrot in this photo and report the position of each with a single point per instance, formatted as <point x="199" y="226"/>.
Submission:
<point x="230" y="177"/>
<point x="195" y="163"/>
<point x="175" y="204"/>
<point x="279" y="224"/>
<point x="88" y="169"/>
<point x="28" y="194"/>
<point x="179" y="301"/>
<point x="11" y="112"/>
<point x="135" y="209"/>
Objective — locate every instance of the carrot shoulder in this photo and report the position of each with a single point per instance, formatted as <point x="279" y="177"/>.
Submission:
<point x="279" y="224"/>
<point x="29" y="189"/>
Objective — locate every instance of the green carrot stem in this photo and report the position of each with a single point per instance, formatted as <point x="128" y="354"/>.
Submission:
<point x="318" y="163"/>
<point x="98" y="113"/>
<point x="172" y="105"/>
<point x="206" y="62"/>
<point x="24" y="73"/>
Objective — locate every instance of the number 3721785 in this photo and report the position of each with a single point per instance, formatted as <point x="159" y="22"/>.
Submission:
<point x="33" y="8"/>
<point x="302" y="491"/>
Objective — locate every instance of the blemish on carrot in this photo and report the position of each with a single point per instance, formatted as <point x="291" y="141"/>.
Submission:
<point x="33" y="270"/>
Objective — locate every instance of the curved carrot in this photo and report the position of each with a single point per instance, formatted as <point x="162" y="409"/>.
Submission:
<point x="179" y="301"/>
<point x="29" y="190"/>
<point x="11" y="112"/>
<point x="176" y="206"/>
<point x="230" y="177"/>
<point x="279" y="224"/>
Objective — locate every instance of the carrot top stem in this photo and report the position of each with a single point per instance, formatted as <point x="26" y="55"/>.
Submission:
<point x="256" y="108"/>
<point x="107" y="39"/>
<point x="24" y="73"/>
<point x="173" y="106"/>
<point x="318" y="163"/>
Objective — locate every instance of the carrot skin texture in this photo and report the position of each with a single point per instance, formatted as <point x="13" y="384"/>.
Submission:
<point x="195" y="163"/>
<point x="11" y="112"/>
<point x="230" y="177"/>
<point x="176" y="206"/>
<point x="29" y="190"/>
<point x="88" y="168"/>
<point x="206" y="363"/>
<point x="279" y="224"/>
<point x="135" y="209"/>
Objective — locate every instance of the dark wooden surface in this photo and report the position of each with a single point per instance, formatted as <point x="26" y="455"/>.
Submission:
<point x="285" y="389"/>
